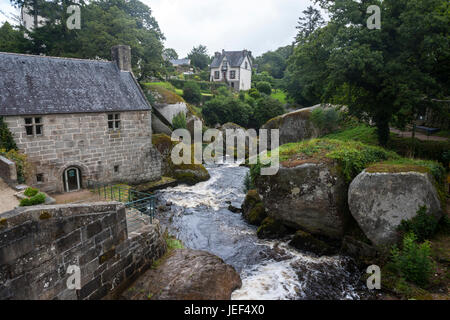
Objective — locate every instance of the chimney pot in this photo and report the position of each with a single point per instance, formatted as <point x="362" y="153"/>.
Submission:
<point x="121" y="55"/>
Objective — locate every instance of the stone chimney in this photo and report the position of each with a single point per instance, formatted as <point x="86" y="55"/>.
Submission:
<point x="122" y="56"/>
<point x="217" y="54"/>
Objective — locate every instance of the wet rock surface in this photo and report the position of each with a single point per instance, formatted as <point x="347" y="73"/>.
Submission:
<point x="186" y="274"/>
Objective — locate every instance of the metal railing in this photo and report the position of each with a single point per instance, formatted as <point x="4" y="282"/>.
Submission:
<point x="141" y="201"/>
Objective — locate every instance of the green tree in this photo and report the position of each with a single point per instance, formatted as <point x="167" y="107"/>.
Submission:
<point x="103" y="25"/>
<point x="6" y="138"/>
<point x="199" y="57"/>
<point x="264" y="87"/>
<point x="192" y="92"/>
<point x="308" y="23"/>
<point x="170" y="54"/>
<point x="266" y="108"/>
<point x="12" y="39"/>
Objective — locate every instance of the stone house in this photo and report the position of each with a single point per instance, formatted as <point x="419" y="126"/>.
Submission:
<point x="233" y="68"/>
<point x="78" y="120"/>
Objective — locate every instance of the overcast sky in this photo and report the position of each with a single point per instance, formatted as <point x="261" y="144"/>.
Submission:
<point x="256" y="25"/>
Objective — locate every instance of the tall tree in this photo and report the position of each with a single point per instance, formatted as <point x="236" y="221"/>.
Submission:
<point x="308" y="23"/>
<point x="12" y="39"/>
<point x="199" y="57"/>
<point x="170" y="54"/>
<point x="104" y="23"/>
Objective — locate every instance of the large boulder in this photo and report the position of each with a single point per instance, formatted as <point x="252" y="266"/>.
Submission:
<point x="379" y="201"/>
<point x="307" y="196"/>
<point x="294" y="126"/>
<point x="190" y="173"/>
<point x="187" y="275"/>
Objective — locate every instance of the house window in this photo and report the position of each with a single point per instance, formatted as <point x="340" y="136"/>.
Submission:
<point x="232" y="74"/>
<point x="232" y="84"/>
<point x="116" y="169"/>
<point x="216" y="74"/>
<point x="114" y="121"/>
<point x="246" y="65"/>
<point x="40" y="177"/>
<point x="33" y="126"/>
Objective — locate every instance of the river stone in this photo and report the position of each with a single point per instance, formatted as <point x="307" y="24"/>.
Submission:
<point x="253" y="210"/>
<point x="187" y="275"/>
<point x="310" y="196"/>
<point x="380" y="201"/>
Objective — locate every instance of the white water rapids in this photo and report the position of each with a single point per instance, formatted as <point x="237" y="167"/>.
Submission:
<point x="270" y="270"/>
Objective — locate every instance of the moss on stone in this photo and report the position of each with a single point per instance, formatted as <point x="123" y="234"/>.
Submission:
<point x="163" y="95"/>
<point x="271" y="229"/>
<point x="396" y="168"/>
<point x="3" y="222"/>
<point x="305" y="241"/>
<point x="257" y="214"/>
<point x="45" y="215"/>
<point x="190" y="173"/>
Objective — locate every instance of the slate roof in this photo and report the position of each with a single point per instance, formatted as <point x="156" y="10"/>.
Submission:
<point x="234" y="58"/>
<point x="180" y="62"/>
<point x="34" y="85"/>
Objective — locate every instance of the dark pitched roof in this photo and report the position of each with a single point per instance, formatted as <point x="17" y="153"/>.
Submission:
<point x="234" y="58"/>
<point x="180" y="62"/>
<point x="48" y="85"/>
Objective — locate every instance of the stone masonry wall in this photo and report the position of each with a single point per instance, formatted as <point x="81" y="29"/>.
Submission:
<point x="38" y="245"/>
<point x="84" y="141"/>
<point x="8" y="171"/>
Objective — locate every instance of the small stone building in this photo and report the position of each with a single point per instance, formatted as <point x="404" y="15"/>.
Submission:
<point x="78" y="120"/>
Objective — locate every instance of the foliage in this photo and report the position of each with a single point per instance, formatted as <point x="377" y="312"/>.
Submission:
<point x="327" y="120"/>
<point x="264" y="87"/>
<point x="103" y="25"/>
<point x="248" y="183"/>
<point x="413" y="261"/>
<point x="199" y="57"/>
<point x="22" y="166"/>
<point x="398" y="70"/>
<point x="266" y="108"/>
<point x="179" y="121"/>
<point x="170" y="54"/>
<point x="33" y="201"/>
<point x="280" y="96"/>
<point x="423" y="225"/>
<point x="12" y="39"/>
<point x="308" y="23"/>
<point x="192" y="93"/>
<point x="31" y="192"/>
<point x="6" y="138"/>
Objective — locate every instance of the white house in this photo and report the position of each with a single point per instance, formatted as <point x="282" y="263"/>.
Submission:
<point x="233" y="68"/>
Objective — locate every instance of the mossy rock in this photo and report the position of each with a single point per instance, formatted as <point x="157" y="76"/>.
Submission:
<point x="163" y="143"/>
<point x="305" y="241"/>
<point x="271" y="229"/>
<point x="190" y="173"/>
<point x="253" y="209"/>
<point x="164" y="96"/>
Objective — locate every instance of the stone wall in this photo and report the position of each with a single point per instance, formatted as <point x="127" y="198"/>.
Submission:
<point x="38" y="245"/>
<point x="84" y="141"/>
<point x="8" y="171"/>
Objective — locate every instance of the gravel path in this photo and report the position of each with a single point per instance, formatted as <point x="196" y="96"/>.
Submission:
<point x="7" y="199"/>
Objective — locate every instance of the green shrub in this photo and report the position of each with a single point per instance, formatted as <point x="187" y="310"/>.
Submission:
<point x="413" y="262"/>
<point x="248" y="183"/>
<point x="179" y="121"/>
<point x="254" y="93"/>
<point x="266" y="108"/>
<point x="6" y="138"/>
<point x="22" y="166"/>
<point x="423" y="225"/>
<point x="33" y="201"/>
<point x="327" y="120"/>
<point x="264" y="87"/>
<point x="31" y="192"/>
<point x="192" y="92"/>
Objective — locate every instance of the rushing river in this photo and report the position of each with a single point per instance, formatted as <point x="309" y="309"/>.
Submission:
<point x="270" y="270"/>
